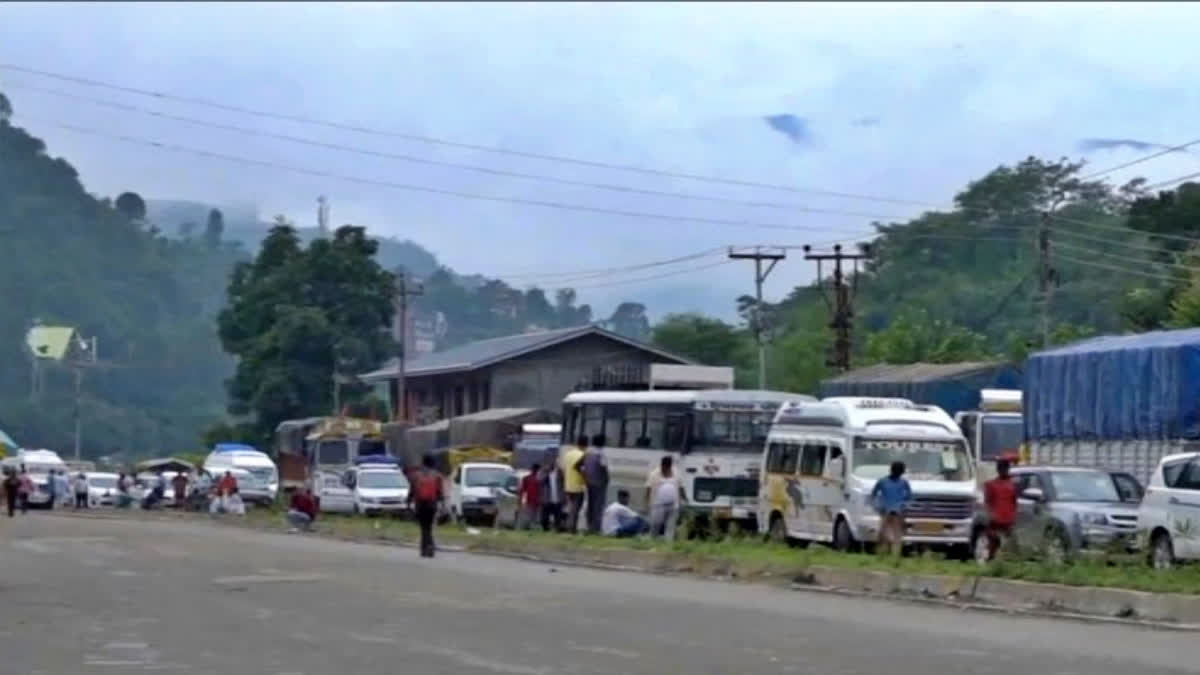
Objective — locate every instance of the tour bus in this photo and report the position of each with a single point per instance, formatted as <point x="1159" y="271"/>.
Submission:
<point x="715" y="436"/>
<point x="822" y="460"/>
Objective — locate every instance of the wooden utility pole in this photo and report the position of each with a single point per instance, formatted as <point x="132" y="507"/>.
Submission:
<point x="405" y="289"/>
<point x="759" y="255"/>
<point x="87" y="356"/>
<point x="841" y="304"/>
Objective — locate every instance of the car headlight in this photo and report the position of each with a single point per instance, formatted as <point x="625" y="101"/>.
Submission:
<point x="1094" y="519"/>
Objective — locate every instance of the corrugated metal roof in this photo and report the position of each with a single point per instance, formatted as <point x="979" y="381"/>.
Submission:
<point x="916" y="372"/>
<point x="1108" y="343"/>
<point x="475" y="355"/>
<point x="50" y="342"/>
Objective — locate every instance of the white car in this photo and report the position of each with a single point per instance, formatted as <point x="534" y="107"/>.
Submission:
<point x="380" y="490"/>
<point x="102" y="488"/>
<point x="1169" y="516"/>
<point x="478" y="488"/>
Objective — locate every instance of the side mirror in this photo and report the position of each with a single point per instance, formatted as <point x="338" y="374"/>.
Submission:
<point x="1034" y="495"/>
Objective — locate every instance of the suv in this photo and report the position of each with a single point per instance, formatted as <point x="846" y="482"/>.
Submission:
<point x="1169" y="519"/>
<point x="1065" y="511"/>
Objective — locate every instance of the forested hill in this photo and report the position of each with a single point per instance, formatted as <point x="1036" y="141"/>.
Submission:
<point x="962" y="284"/>
<point x="147" y="281"/>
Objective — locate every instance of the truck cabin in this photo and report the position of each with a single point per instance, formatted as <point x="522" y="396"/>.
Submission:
<point x="997" y="428"/>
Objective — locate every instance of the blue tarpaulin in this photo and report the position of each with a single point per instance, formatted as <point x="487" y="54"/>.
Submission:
<point x="1129" y="387"/>
<point x="953" y="387"/>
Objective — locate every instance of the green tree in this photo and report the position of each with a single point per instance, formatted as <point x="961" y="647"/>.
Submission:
<point x="916" y="337"/>
<point x="294" y="314"/>
<point x="706" y="340"/>
<point x="214" y="228"/>
<point x="132" y="206"/>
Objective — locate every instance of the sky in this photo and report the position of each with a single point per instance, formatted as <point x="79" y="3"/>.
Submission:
<point x="897" y="104"/>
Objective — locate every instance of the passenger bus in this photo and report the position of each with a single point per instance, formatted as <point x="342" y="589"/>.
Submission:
<point x="822" y="460"/>
<point x="716" y="437"/>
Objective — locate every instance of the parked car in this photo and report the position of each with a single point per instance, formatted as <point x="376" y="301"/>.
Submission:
<point x="1065" y="511"/>
<point x="102" y="488"/>
<point x="1169" y="517"/>
<point x="477" y="490"/>
<point x="331" y="493"/>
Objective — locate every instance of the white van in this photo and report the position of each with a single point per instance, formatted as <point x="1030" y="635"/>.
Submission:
<point x="262" y="484"/>
<point x="822" y="460"/>
<point x="377" y="485"/>
<point x="38" y="463"/>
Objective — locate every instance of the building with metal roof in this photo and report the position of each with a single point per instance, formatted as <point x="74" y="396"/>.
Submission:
<point x="529" y="370"/>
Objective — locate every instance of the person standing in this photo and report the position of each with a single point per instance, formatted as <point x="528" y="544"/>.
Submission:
<point x="425" y="500"/>
<point x="891" y="496"/>
<point x="529" y="498"/>
<point x="12" y="491"/>
<point x="1000" y="500"/>
<point x="551" y="492"/>
<point x="664" y="494"/>
<point x="595" y="475"/>
<point x="179" y="484"/>
<point x="52" y="489"/>
<point x="81" y="491"/>
<point x="571" y="463"/>
<point x="25" y="490"/>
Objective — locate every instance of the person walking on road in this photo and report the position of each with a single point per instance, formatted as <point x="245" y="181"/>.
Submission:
<point x="595" y="475"/>
<point x="425" y="500"/>
<point x="891" y="496"/>
<point x="25" y="490"/>
<point x="12" y="491"/>
<point x="574" y="485"/>
<point x="52" y="489"/>
<point x="1000" y="500"/>
<point x="664" y="494"/>
<point x="81" y="491"/>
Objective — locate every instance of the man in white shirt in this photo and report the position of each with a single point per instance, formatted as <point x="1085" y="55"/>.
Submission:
<point x="664" y="494"/>
<point x="621" y="521"/>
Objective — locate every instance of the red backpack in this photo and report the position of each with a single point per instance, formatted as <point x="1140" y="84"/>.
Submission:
<point x="427" y="487"/>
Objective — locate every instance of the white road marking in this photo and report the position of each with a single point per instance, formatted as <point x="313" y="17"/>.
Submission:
<point x="372" y="639"/>
<point x="104" y="662"/>
<point x="476" y="661"/>
<point x="608" y="651"/>
<point x="264" y="579"/>
<point x="122" y="573"/>
<point x="127" y="645"/>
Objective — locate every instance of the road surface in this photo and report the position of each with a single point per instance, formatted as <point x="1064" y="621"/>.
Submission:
<point x="123" y="597"/>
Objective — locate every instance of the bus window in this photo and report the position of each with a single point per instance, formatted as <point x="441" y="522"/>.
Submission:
<point x="812" y="460"/>
<point x="572" y="420"/>
<point x="741" y="430"/>
<point x="675" y="433"/>
<point x="634" y="429"/>
<point x="614" y="421"/>
<point x="593" y="421"/>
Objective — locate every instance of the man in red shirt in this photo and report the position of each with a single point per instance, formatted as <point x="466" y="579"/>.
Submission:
<point x="529" y="495"/>
<point x="1000" y="499"/>
<point x="303" y="510"/>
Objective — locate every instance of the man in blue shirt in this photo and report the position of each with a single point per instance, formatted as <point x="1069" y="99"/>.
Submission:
<point x="891" y="496"/>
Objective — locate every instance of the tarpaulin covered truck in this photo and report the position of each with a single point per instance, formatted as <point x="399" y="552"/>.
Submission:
<point x="983" y="397"/>
<point x="1116" y="402"/>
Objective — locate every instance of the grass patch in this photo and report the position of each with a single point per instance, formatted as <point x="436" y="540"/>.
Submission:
<point x="750" y="557"/>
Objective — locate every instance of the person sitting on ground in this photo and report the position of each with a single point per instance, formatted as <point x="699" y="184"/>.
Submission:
<point x="621" y="521"/>
<point x="302" y="511"/>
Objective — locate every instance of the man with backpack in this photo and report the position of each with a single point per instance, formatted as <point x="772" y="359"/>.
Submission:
<point x="425" y="500"/>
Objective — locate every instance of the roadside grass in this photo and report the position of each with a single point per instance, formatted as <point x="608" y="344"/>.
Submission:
<point x="748" y="557"/>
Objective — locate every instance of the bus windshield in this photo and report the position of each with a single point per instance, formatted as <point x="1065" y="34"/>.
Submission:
<point x="1000" y="434"/>
<point x="738" y="430"/>
<point x="923" y="459"/>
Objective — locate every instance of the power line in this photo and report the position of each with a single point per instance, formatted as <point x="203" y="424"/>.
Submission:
<point x="1112" y="242"/>
<point x="1125" y="270"/>
<point x="1123" y="229"/>
<point x="664" y="275"/>
<point x="1147" y="158"/>
<point x="444" y="142"/>
<point x="1186" y="177"/>
<point x="453" y="165"/>
<point x="1121" y="258"/>
<point x="430" y="190"/>
<point x="625" y="268"/>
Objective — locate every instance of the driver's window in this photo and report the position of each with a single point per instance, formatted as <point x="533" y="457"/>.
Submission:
<point x="458" y="476"/>
<point x="1028" y="481"/>
<point x="1129" y="489"/>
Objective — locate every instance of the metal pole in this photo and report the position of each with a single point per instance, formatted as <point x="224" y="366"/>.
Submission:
<point x="1045" y="277"/>
<point x="758" y="255"/>
<point x="78" y="416"/>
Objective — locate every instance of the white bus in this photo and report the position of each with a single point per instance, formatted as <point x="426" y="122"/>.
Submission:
<point x="822" y="461"/>
<point x="716" y="437"/>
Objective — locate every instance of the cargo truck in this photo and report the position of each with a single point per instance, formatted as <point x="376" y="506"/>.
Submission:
<point x="1120" y="403"/>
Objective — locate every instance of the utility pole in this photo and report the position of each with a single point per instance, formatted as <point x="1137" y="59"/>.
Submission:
<point x="405" y="288"/>
<point x="759" y="255"/>
<point x="87" y="357"/>
<point x="842" y="303"/>
<point x="322" y="216"/>
<point x="1047" y="277"/>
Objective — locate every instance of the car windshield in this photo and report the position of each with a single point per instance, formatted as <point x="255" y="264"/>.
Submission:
<point x="487" y="477"/>
<point x="386" y="480"/>
<point x="738" y="430"/>
<point x="1083" y="486"/>
<point x="1000" y="434"/>
<point x="923" y="459"/>
<point x="103" y="482"/>
<point x="263" y="475"/>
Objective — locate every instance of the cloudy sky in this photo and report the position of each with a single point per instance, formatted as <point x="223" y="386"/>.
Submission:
<point x="900" y="102"/>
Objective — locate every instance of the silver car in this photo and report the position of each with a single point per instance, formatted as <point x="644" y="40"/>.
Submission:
<point x="1065" y="511"/>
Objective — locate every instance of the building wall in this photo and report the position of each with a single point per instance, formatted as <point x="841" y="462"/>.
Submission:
<point x="544" y="378"/>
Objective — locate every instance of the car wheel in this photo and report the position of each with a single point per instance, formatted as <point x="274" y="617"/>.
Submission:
<point x="1162" y="552"/>
<point x="843" y="539"/>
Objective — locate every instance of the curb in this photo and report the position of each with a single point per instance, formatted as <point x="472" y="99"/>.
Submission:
<point x="1097" y="605"/>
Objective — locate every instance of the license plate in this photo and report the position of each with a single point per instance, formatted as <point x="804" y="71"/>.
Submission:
<point x="722" y="513"/>
<point x="928" y="528"/>
<point x="489" y="510"/>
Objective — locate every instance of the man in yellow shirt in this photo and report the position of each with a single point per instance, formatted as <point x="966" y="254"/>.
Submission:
<point x="570" y="462"/>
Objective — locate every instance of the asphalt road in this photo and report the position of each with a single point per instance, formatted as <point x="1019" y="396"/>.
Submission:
<point x="122" y="597"/>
